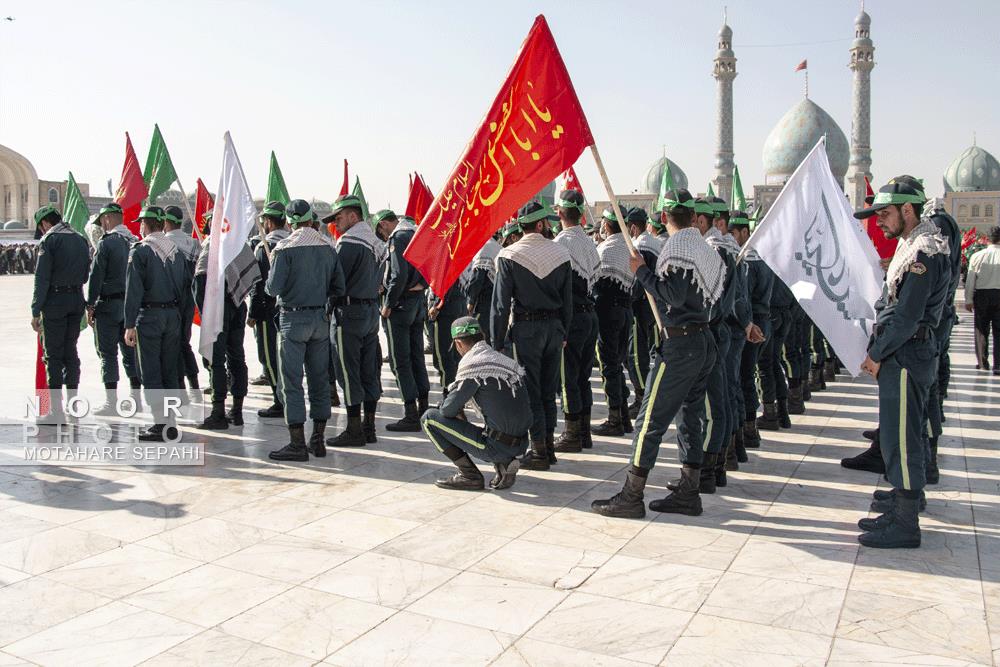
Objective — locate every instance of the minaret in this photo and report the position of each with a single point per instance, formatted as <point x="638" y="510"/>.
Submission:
<point x="724" y="72"/>
<point x="862" y="63"/>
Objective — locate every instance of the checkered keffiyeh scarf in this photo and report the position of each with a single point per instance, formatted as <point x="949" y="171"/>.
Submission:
<point x="403" y="226"/>
<point x="126" y="232"/>
<point x="484" y="260"/>
<point x="925" y="238"/>
<point x="615" y="261"/>
<point x="164" y="248"/>
<point x="716" y="239"/>
<point x="59" y="228"/>
<point x="483" y="363"/>
<point x="537" y="254"/>
<point x="685" y="250"/>
<point x="583" y="256"/>
<point x="241" y="274"/>
<point x="649" y="243"/>
<point x="363" y="235"/>
<point x="279" y="235"/>
<point x="303" y="237"/>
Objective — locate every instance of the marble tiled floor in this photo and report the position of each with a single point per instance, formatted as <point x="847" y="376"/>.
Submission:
<point x="357" y="559"/>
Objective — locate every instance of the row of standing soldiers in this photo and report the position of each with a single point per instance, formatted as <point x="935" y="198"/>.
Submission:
<point x="17" y="258"/>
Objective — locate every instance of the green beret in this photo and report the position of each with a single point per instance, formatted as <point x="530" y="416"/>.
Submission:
<point x="384" y="214"/>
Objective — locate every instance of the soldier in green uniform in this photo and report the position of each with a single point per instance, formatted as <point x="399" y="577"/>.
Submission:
<point x="156" y="283"/>
<point x="187" y="365"/>
<point x="305" y="276"/>
<point x="106" y="303"/>
<point x="440" y="315"/>
<point x="903" y="357"/>
<point x="57" y="303"/>
<point x="264" y="315"/>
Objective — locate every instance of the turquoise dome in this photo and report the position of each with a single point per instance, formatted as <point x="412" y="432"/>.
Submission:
<point x="796" y="134"/>
<point x="651" y="186"/>
<point x="975" y="170"/>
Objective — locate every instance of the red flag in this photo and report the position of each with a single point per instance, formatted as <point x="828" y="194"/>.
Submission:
<point x="534" y="130"/>
<point x="424" y="198"/>
<point x="131" y="188"/>
<point x="969" y="238"/>
<point x="884" y="247"/>
<point x="203" y="202"/>
<point x="345" y="188"/>
<point x="571" y="182"/>
<point x="801" y="66"/>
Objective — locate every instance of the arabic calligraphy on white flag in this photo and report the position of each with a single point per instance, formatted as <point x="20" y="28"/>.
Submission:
<point x="811" y="241"/>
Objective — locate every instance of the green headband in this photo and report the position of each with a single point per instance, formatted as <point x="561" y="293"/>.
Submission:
<point x="271" y="213"/>
<point x="44" y="211"/>
<point x="540" y="214"/>
<point x="172" y="218"/>
<point x="657" y="225"/>
<point x="467" y="329"/>
<point x="147" y="214"/>
<point x="707" y="209"/>
<point x="565" y="203"/>
<point x="382" y="215"/>
<point x="899" y="198"/>
<point x="670" y="204"/>
<point x="306" y="217"/>
<point x="720" y="207"/>
<point x="511" y="229"/>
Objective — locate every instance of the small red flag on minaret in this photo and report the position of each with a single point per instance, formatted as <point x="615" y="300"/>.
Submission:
<point x="802" y="65"/>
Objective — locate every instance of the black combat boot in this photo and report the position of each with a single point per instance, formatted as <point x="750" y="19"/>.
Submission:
<point x="931" y="468"/>
<point x="720" y="469"/>
<point x="368" y="426"/>
<point x="216" y="419"/>
<point x="550" y="448"/>
<point x="586" y="440"/>
<point x="506" y="475"/>
<point x="235" y="414"/>
<point x="686" y="499"/>
<point x="421" y="406"/>
<point x="816" y="381"/>
<point x="626" y="420"/>
<point x="352" y="436"/>
<point x="876" y="523"/>
<point x="274" y="411"/>
<point x="769" y="421"/>
<point x="612" y="425"/>
<point x="830" y="371"/>
<point x="870" y="434"/>
<point x="807" y="394"/>
<point x="784" y="418"/>
<point x="751" y="436"/>
<point x="317" y="442"/>
<point x="468" y="477"/>
<point x="410" y="423"/>
<point x="741" y="450"/>
<point x="571" y="439"/>
<point x="295" y="450"/>
<point x="537" y="457"/>
<point x="884" y="501"/>
<point x="627" y="503"/>
<point x="869" y="460"/>
<point x="633" y="408"/>
<point x="796" y="401"/>
<point x="706" y="480"/>
<point x="903" y="532"/>
<point x="732" y="463"/>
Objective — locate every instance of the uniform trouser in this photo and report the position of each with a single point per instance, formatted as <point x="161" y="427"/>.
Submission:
<point x="935" y="415"/>
<point x="773" y="365"/>
<point x="229" y="363"/>
<point x="471" y="439"/>
<point x="267" y="346"/>
<point x="442" y="351"/>
<point x="404" y="331"/>
<point x="749" y="372"/>
<point x="676" y="384"/>
<point x="796" y="367"/>
<point x="717" y="427"/>
<point x="537" y="345"/>
<point x="817" y="346"/>
<point x="943" y="334"/>
<point x="157" y="348"/>
<point x="737" y="341"/>
<point x="187" y="363"/>
<point x="642" y="340"/>
<point x="60" y="333"/>
<point x="578" y="363"/>
<point x="986" y="316"/>
<point x="904" y="381"/>
<point x="355" y="337"/>
<point x="481" y="310"/>
<point x="304" y="342"/>
<point x="613" y="325"/>
<point x="109" y="338"/>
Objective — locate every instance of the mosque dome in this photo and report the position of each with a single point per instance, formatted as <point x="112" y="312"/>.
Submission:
<point x="651" y="185"/>
<point x="725" y="32"/>
<point x="863" y="19"/>
<point x="975" y="170"/>
<point x="796" y="134"/>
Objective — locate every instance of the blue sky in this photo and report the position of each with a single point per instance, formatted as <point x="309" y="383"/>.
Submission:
<point x="396" y="87"/>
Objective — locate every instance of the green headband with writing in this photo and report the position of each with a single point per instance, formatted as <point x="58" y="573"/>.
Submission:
<point x="899" y="198"/>
<point x="530" y="218"/>
<point x="670" y="204"/>
<point x="704" y="208"/>
<point x="466" y="329"/>
<point x="511" y="229"/>
<point x="565" y="203"/>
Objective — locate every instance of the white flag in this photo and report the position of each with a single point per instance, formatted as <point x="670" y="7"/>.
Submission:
<point x="812" y="242"/>
<point x="232" y="218"/>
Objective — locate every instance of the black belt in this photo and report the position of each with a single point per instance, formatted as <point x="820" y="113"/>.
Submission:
<point x="583" y="308"/>
<point x="503" y="438"/>
<point x="677" y="332"/>
<point x="112" y="297"/>
<point x="351" y="301"/>
<point x="923" y="332"/>
<point x="66" y="289"/>
<point x="293" y="309"/>
<point x="536" y="316"/>
<point x="160" y="304"/>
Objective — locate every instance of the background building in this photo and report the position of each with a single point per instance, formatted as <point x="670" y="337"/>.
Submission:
<point x="972" y="189"/>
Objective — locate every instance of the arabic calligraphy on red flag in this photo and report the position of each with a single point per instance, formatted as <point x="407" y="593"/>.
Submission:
<point x="534" y="131"/>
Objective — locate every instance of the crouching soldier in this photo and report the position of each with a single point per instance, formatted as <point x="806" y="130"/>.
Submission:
<point x="496" y="383"/>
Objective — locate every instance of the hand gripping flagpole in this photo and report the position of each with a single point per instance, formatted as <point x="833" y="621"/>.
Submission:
<point x="623" y="227"/>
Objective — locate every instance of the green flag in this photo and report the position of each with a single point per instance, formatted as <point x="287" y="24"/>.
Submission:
<point x="359" y="193"/>
<point x="75" y="212"/>
<point x="276" y="190"/>
<point x="666" y="184"/>
<point x="739" y="201"/>
<point x="159" y="173"/>
<point x="711" y="191"/>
